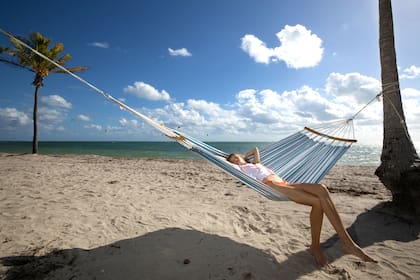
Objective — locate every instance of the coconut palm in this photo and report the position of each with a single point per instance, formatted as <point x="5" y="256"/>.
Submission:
<point x="21" y="56"/>
<point x="399" y="169"/>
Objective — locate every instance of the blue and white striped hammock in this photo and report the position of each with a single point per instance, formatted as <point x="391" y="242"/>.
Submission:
<point x="305" y="156"/>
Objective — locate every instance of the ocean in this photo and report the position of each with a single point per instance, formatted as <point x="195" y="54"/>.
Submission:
<point x="358" y="154"/>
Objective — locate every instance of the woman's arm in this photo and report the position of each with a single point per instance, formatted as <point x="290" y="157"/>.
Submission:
<point x="255" y="153"/>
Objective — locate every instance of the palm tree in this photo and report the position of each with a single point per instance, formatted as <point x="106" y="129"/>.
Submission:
<point x="399" y="170"/>
<point x="23" y="57"/>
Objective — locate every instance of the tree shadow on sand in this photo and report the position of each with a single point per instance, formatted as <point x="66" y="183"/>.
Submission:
<point x="170" y="253"/>
<point x="175" y="253"/>
<point x="376" y="225"/>
<point x="382" y="222"/>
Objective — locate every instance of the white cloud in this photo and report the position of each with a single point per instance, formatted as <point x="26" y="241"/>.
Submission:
<point x="128" y="123"/>
<point x="352" y="87"/>
<point x="268" y="115"/>
<point x="55" y="113"/>
<point x="123" y="121"/>
<point x="290" y="108"/>
<point x="180" y="114"/>
<point x="254" y="106"/>
<point x="411" y="104"/>
<point x="48" y="115"/>
<point x="93" y="126"/>
<point x="12" y="117"/>
<point x="118" y="130"/>
<point x="410" y="93"/>
<point x="350" y="93"/>
<point x="83" y="118"/>
<point x="147" y="91"/>
<point x="205" y="107"/>
<point x="179" y="52"/>
<point x="411" y="72"/>
<point x="255" y="114"/>
<point x="299" y="48"/>
<point x="56" y="101"/>
<point x="102" y="45"/>
<point x="256" y="49"/>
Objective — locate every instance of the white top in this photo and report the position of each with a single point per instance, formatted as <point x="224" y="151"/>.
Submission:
<point x="257" y="170"/>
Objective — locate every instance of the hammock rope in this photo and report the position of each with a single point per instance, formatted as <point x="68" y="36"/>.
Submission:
<point x="162" y="128"/>
<point x="305" y="156"/>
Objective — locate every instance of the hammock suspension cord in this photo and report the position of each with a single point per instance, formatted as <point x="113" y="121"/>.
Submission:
<point x="168" y="132"/>
<point x="305" y="156"/>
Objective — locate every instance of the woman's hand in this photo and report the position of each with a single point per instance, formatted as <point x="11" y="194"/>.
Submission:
<point x="256" y="155"/>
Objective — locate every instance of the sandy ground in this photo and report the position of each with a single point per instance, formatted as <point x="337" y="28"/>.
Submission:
<point x="93" y="217"/>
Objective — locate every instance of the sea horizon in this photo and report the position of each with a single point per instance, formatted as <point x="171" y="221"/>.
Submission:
<point x="358" y="154"/>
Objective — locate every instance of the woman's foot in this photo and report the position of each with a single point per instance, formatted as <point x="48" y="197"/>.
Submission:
<point x="320" y="258"/>
<point x="358" y="252"/>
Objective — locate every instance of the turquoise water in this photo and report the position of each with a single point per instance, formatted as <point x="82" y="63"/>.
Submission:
<point x="357" y="155"/>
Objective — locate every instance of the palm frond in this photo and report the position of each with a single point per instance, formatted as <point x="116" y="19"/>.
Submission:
<point x="14" y="63"/>
<point x="23" y="57"/>
<point x="4" y="50"/>
<point x="56" y="50"/>
<point x="72" y="69"/>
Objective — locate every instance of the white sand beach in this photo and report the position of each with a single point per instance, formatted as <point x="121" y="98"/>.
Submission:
<point x="94" y="217"/>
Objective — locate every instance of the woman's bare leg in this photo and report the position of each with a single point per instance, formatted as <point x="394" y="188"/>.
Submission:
<point x="316" y="218"/>
<point x="328" y="207"/>
<point x="314" y="195"/>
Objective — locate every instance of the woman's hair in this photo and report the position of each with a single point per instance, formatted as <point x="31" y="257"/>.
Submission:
<point x="231" y="155"/>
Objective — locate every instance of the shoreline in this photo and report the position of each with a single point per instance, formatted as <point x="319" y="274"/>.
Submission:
<point x="365" y="155"/>
<point x="72" y="216"/>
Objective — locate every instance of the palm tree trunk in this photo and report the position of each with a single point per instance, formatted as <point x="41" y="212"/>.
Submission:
<point x="35" y="119"/>
<point x="398" y="171"/>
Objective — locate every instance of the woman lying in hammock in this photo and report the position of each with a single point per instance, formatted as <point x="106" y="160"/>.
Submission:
<point x="315" y="195"/>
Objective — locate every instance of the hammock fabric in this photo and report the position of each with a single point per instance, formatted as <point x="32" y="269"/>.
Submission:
<point x="305" y="156"/>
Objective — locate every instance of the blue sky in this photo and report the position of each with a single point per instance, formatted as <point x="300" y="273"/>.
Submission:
<point x="234" y="70"/>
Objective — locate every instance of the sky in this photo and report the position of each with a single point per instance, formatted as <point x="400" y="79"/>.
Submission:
<point x="236" y="70"/>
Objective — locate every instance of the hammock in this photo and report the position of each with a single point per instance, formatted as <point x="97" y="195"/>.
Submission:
<point x="305" y="156"/>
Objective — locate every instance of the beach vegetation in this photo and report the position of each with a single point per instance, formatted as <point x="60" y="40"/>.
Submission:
<point x="20" y="56"/>
<point x="399" y="169"/>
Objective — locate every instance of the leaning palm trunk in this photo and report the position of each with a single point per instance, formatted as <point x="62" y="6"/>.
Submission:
<point x="398" y="170"/>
